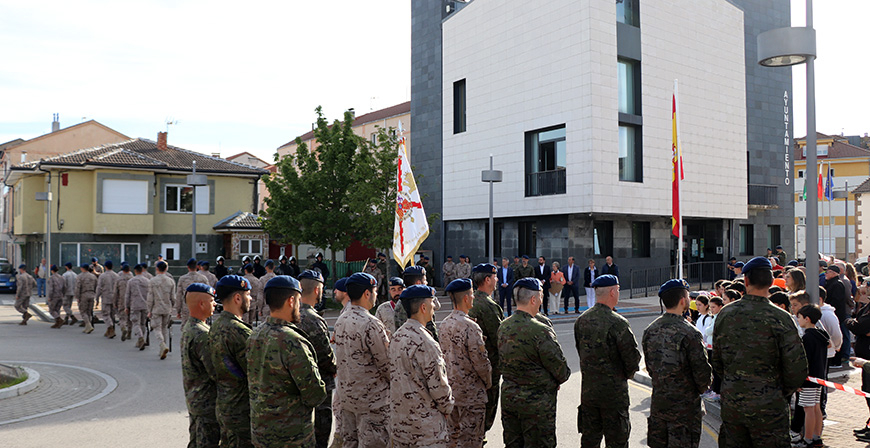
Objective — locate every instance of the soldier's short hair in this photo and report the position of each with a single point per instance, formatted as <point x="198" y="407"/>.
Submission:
<point x="811" y="312"/>
<point x="479" y="278"/>
<point x="355" y="290"/>
<point x="277" y="297"/>
<point x="412" y="305"/>
<point x="759" y="278"/>
<point x="672" y="297"/>
<point x="138" y="268"/>
<point x="457" y="296"/>
<point x="523" y="295"/>
<point x="411" y="279"/>
<point x="309" y="285"/>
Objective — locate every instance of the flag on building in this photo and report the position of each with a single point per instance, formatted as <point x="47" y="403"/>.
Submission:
<point x="410" y="228"/>
<point x="678" y="175"/>
<point x="820" y="190"/>
<point x="829" y="185"/>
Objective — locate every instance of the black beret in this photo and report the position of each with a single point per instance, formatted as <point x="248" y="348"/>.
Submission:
<point x="397" y="281"/>
<point x="340" y="284"/>
<point x="414" y="270"/>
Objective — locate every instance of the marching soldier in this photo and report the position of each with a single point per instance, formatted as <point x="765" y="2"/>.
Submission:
<point x="283" y="378"/>
<point x="96" y="267"/>
<point x="256" y="301"/>
<point x="136" y="304"/>
<point x="120" y="300"/>
<point x="106" y="293"/>
<point x="192" y="276"/>
<point x="463" y="269"/>
<point x="269" y="275"/>
<point x="23" y="291"/>
<point x="161" y="300"/>
<point x="69" y="277"/>
<point x="197" y="370"/>
<point x="420" y="396"/>
<point x="86" y="291"/>
<point x="488" y="315"/>
<point x="468" y="368"/>
<point x="57" y="290"/>
<point x="228" y="337"/>
<point x="386" y="312"/>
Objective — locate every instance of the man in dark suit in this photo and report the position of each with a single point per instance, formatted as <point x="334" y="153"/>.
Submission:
<point x="505" y="285"/>
<point x="572" y="285"/>
<point x="542" y="273"/>
<point x="609" y="267"/>
<point x="589" y="276"/>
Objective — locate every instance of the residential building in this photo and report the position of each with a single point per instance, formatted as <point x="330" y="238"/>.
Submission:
<point x="252" y="160"/>
<point x="129" y="201"/>
<point x="848" y="165"/>
<point x="861" y="213"/>
<point x="579" y="120"/>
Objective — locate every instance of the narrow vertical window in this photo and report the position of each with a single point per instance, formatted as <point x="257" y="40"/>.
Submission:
<point x="459" y="106"/>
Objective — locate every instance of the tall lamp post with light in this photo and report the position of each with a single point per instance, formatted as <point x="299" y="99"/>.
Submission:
<point x="783" y="47"/>
<point x="491" y="176"/>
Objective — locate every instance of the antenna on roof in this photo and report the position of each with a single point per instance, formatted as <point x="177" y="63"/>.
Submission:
<point x="170" y="121"/>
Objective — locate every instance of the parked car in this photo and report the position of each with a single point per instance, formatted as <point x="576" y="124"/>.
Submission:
<point x="860" y="264"/>
<point x="7" y="276"/>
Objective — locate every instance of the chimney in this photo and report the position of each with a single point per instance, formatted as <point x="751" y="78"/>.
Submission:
<point x="55" y="122"/>
<point x="161" y="141"/>
<point x="352" y="112"/>
<point x="216" y="154"/>
<point x="23" y="156"/>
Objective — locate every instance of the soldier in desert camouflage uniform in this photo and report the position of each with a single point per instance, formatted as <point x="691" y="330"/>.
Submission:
<point x="677" y="362"/>
<point x="488" y="315"/>
<point x="197" y="370"/>
<point x="227" y="339"/>
<point x="420" y="397"/>
<point x="161" y="300"/>
<point x="362" y="353"/>
<point x="56" y="290"/>
<point x="135" y="305"/>
<point x="386" y="312"/>
<point x="120" y="294"/>
<point x="203" y="269"/>
<point x="192" y="276"/>
<point x="468" y="368"/>
<point x="463" y="269"/>
<point x="283" y="378"/>
<point x="448" y="270"/>
<point x="269" y="275"/>
<point x="760" y="357"/>
<point x="317" y="331"/>
<point x="253" y="313"/>
<point x="86" y="288"/>
<point x="339" y="293"/>
<point x="69" y="276"/>
<point x="415" y="275"/>
<point x="533" y="366"/>
<point x="106" y="293"/>
<point x="608" y="359"/>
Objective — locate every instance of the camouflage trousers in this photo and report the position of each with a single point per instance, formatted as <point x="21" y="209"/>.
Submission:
<point x="160" y="327"/>
<point x="432" y="330"/>
<point x="337" y="441"/>
<point x="235" y="435"/>
<point x="185" y="313"/>
<point x="67" y="305"/>
<point x="204" y="432"/>
<point x="22" y="304"/>
<point x="323" y="421"/>
<point x="365" y="429"/>
<point x="492" y="395"/>
<point x="109" y="313"/>
<point x="54" y="304"/>
<point x="402" y="445"/>
<point x="610" y="423"/>
<point x="465" y="425"/>
<point x="743" y="429"/>
<point x="138" y="319"/>
<point x="86" y="309"/>
<point x="680" y="433"/>
<point x="528" y="430"/>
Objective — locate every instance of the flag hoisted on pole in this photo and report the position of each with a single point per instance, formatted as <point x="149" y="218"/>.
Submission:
<point x="410" y="228"/>
<point x="678" y="175"/>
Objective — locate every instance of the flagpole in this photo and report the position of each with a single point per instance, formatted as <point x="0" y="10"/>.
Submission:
<point x="829" y="182"/>
<point x="679" y="171"/>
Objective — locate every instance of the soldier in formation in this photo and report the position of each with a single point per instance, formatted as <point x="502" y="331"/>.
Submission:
<point x="85" y="294"/>
<point x="106" y="293"/>
<point x="463" y="269"/>
<point x="161" y="301"/>
<point x="23" y="291"/>
<point x="488" y="315"/>
<point x="314" y="326"/>
<point x="415" y="275"/>
<point x="524" y="269"/>
<point x="192" y="276"/>
<point x="386" y="312"/>
<point x="204" y="270"/>
<point x="197" y="370"/>
<point x="448" y="270"/>
<point x="253" y="312"/>
<point x="136" y="304"/>
<point x="69" y="277"/>
<point x="263" y="312"/>
<point x="120" y="300"/>
<point x="56" y="292"/>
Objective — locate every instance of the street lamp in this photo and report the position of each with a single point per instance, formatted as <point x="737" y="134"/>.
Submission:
<point x="783" y="47"/>
<point x="195" y="180"/>
<point x="492" y="176"/>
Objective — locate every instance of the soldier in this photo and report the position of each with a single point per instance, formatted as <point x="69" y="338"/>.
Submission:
<point x="256" y="301"/>
<point x="427" y="270"/>
<point x="161" y="301"/>
<point x="468" y="368"/>
<point x="197" y="370"/>
<point x="120" y="300"/>
<point x="69" y="277"/>
<point x="677" y="362"/>
<point x="283" y="378"/>
<point x="282" y="268"/>
<point x="56" y="291"/>
<point x="86" y="290"/>
<point x="372" y="269"/>
<point x="220" y="270"/>
<point x="420" y="396"/>
<point x="314" y="326"/>
<point x="203" y="269"/>
<point x="193" y="276"/>
<point x="387" y="311"/>
<point x="463" y="269"/>
<point x="524" y="269"/>
<point x="448" y="270"/>
<point x="533" y="367"/>
<point x="294" y="267"/>
<point x="608" y="359"/>
<point x="106" y="293"/>
<point x="760" y="357"/>
<point x="136" y="304"/>
<point x="23" y="291"/>
<point x="488" y="315"/>
<point x="383" y="290"/>
<point x="96" y="267"/>
<point x="319" y="265"/>
<point x="339" y="293"/>
<point x="269" y="275"/>
<point x="415" y="275"/>
<point x="227" y="338"/>
<point x="362" y="352"/>
<point x="148" y="274"/>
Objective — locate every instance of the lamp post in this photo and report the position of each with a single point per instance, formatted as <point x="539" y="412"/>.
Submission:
<point x="491" y="176"/>
<point x="783" y="47"/>
<point x="195" y="180"/>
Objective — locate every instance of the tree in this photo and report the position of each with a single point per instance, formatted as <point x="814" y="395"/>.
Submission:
<point x="376" y="190"/>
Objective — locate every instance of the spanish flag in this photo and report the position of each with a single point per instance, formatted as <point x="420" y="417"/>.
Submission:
<point x="678" y="175"/>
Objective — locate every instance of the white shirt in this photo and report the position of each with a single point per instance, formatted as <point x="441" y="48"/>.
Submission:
<point x="591" y="275"/>
<point x="570" y="270"/>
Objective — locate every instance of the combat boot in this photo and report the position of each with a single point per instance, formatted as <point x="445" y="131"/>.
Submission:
<point x="88" y="329"/>
<point x="163" y="351"/>
<point x="125" y="334"/>
<point x="58" y="322"/>
<point x="111" y="332"/>
<point x="106" y="334"/>
<point x="27" y="317"/>
<point x="141" y="344"/>
<point x="72" y="319"/>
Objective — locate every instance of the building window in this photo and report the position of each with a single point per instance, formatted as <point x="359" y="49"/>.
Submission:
<point x="800" y="174"/>
<point x="640" y="240"/>
<point x="459" y="106"/>
<point x="746" y="239"/>
<point x="528" y="238"/>
<point x="628" y="77"/>
<point x="179" y="199"/>
<point x="250" y="247"/>
<point x="630" y="157"/>
<point x="602" y="238"/>
<point x="374" y="138"/>
<point x="125" y="197"/>
<point x="627" y="12"/>
<point x="773" y="237"/>
<point x="545" y="161"/>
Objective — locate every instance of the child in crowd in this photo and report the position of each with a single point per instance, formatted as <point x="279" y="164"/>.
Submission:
<point x="716" y="305"/>
<point x="815" y="342"/>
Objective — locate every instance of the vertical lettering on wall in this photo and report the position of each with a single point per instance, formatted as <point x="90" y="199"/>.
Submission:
<point x="785" y="138"/>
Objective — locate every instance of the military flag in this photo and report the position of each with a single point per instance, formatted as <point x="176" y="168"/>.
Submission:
<point x="677" y="175"/>
<point x="410" y="228"/>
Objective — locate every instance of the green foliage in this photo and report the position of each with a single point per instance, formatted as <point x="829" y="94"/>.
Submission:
<point x="376" y="190"/>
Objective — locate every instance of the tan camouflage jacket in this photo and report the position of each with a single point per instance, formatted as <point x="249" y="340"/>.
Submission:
<point x="362" y="353"/>
<point x="161" y="295"/>
<point x="468" y="367"/>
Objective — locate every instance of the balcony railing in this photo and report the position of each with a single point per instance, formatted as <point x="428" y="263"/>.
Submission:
<point x="762" y="196"/>
<point x="545" y="183"/>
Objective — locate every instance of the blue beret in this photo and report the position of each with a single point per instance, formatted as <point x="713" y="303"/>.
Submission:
<point x="486" y="268"/>
<point x="24" y="266"/>
<point x="450" y="256"/>
<point x="397" y="281"/>
<point x="426" y="258"/>
<point x="373" y="260"/>
<point x="605" y="280"/>
<point x="191" y="262"/>
<point x="202" y="287"/>
<point x="779" y="247"/>
<point x="459" y="285"/>
<point x="109" y="264"/>
<point x="269" y="263"/>
<point x="361" y="278"/>
<point x="311" y="275"/>
<point x="525" y="257"/>
<point x="54" y="267"/>
<point x="739" y="264"/>
<point x="68" y="264"/>
<point x="529" y="283"/>
<point x="418" y="292"/>
<point x="200" y="262"/>
<point x="340" y="284"/>
<point x="235" y="282"/>
<point x="84" y="266"/>
<point x="381" y="254"/>
<point x="161" y="265"/>
<point x="757" y="263"/>
<point x="283" y="281"/>
<point x="160" y="255"/>
<point x="793" y="263"/>
<point x="204" y="262"/>
<point x="248" y="266"/>
<point x="414" y="270"/>
<point x="673" y="284"/>
<point x="94" y="259"/>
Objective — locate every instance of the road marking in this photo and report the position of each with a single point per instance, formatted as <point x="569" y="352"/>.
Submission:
<point x="704" y="424"/>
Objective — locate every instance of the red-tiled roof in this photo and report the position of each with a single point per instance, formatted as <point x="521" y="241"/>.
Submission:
<point x="840" y="149"/>
<point x="863" y="188"/>
<point x="392" y="111"/>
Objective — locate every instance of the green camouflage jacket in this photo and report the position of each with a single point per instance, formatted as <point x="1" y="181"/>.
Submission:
<point x="197" y="369"/>
<point x="315" y="329"/>
<point x="488" y="316"/>
<point x="228" y="342"/>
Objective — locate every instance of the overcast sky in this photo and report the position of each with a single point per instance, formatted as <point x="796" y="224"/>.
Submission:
<point x="246" y="76"/>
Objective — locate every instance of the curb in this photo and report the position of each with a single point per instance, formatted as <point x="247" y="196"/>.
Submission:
<point x="22" y="388"/>
<point x="642" y="378"/>
<point x="40" y="313"/>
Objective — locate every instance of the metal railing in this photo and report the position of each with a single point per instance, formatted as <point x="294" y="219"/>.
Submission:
<point x="545" y="183"/>
<point x="700" y="275"/>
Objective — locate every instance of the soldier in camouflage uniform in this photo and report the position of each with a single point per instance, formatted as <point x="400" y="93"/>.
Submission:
<point x="161" y="300"/>
<point x="524" y="269"/>
<point x="760" y="357"/>
<point x="677" y="362"/>
<point x="135" y="305"/>
<point x="463" y="269"/>
<point x="533" y="366"/>
<point x="468" y="368"/>
<point x="608" y="359"/>
<point x="420" y="396"/>
<point x="69" y="276"/>
<point x="203" y="269"/>
<point x="339" y="293"/>
<point x="228" y="343"/>
<point x="415" y="275"/>
<point x="120" y="294"/>
<point x="269" y="275"/>
<point x="448" y="270"/>
<point x="56" y="290"/>
<point x="106" y="293"/>
<point x="197" y="370"/>
<point x="283" y="378"/>
<point x="362" y="353"/>
<point x="488" y="315"/>
<point x="253" y="313"/>
<point x="23" y="291"/>
<point x="86" y="289"/>
<point x="180" y="310"/>
<point x="314" y="327"/>
<point x="386" y="312"/>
